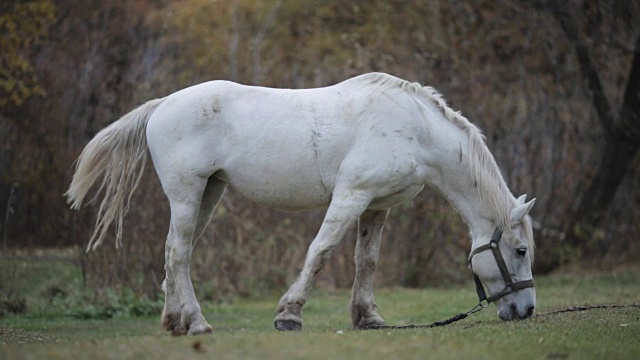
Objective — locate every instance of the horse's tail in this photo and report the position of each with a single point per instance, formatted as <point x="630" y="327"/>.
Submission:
<point x="118" y="154"/>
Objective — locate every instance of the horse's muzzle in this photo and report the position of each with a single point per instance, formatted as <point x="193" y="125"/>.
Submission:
<point x="511" y="312"/>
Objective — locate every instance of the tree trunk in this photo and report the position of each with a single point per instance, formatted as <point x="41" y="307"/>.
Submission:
<point x="621" y="134"/>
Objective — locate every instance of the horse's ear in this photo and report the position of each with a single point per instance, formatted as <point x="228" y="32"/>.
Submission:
<point x="521" y="199"/>
<point x="521" y="210"/>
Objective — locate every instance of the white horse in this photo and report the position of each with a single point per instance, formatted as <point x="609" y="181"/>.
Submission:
<point x="359" y="148"/>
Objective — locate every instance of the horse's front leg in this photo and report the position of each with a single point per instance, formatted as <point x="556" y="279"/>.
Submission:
<point x="345" y="208"/>
<point x="363" y="308"/>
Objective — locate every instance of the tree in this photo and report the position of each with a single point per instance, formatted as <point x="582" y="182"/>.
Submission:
<point x="621" y="129"/>
<point x="22" y="25"/>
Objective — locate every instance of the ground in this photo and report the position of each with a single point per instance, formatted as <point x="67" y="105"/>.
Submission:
<point x="243" y="328"/>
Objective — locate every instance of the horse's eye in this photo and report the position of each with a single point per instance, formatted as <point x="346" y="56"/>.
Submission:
<point x="521" y="251"/>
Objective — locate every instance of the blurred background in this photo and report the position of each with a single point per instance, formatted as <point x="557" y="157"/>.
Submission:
<point x="554" y="85"/>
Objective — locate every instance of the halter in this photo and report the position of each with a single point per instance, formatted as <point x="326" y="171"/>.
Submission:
<point x="509" y="285"/>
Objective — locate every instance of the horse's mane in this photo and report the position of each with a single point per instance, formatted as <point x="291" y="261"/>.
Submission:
<point x="484" y="169"/>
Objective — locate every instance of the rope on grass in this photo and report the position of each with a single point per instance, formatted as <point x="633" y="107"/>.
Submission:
<point x="476" y="309"/>
<point x="587" y="307"/>
<point x="420" y="326"/>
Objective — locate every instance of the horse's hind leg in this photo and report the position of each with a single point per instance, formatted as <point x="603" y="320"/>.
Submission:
<point x="182" y="312"/>
<point x="344" y="210"/>
<point x="363" y="307"/>
<point x="171" y="314"/>
<point x="212" y="195"/>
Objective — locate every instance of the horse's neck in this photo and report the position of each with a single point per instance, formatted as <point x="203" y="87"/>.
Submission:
<point x="474" y="210"/>
<point x="480" y="196"/>
<point x="456" y="183"/>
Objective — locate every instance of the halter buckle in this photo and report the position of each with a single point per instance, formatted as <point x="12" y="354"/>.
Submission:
<point x="483" y="303"/>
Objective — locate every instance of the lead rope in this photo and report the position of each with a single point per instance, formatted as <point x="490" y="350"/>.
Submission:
<point x="484" y="301"/>
<point x="586" y="308"/>
<point x="481" y="306"/>
<point x="446" y="322"/>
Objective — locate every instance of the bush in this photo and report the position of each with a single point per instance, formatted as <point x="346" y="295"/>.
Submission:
<point x="111" y="303"/>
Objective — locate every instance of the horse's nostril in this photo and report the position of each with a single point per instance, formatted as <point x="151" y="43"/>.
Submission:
<point x="529" y="312"/>
<point x="514" y="311"/>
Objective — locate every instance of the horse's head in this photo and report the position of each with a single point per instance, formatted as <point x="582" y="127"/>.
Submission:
<point x="504" y="265"/>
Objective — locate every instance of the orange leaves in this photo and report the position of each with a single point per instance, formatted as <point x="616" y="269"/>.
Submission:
<point x="22" y="25"/>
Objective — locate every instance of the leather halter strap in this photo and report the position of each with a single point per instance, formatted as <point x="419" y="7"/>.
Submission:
<point x="509" y="285"/>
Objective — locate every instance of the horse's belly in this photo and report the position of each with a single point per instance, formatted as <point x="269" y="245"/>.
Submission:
<point x="285" y="188"/>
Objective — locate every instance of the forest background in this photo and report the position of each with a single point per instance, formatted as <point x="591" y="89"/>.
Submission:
<point x="554" y="85"/>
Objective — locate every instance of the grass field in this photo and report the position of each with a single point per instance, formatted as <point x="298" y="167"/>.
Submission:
<point x="244" y="330"/>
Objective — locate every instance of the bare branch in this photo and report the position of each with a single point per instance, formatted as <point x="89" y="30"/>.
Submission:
<point x="630" y="111"/>
<point x="588" y="71"/>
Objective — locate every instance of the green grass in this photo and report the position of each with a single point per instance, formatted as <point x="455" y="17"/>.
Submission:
<point x="244" y="329"/>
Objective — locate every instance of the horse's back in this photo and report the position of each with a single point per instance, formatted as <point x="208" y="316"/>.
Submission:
<point x="265" y="143"/>
<point x="282" y="148"/>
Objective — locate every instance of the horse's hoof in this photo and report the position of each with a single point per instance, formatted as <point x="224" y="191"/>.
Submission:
<point x="200" y="329"/>
<point x="371" y="322"/>
<point x="178" y="331"/>
<point x="287" y="325"/>
<point x="370" y="325"/>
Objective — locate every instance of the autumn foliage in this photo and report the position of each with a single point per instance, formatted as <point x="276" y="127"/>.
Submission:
<point x="70" y="68"/>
